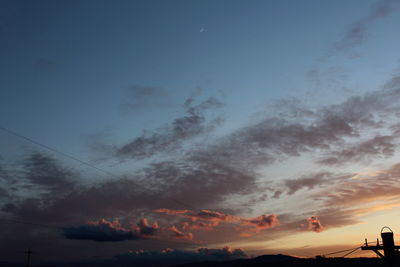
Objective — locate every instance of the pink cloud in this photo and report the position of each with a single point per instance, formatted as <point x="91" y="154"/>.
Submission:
<point x="254" y="225"/>
<point x="145" y="229"/>
<point x="206" y="215"/>
<point x="172" y="212"/>
<point x="314" y="224"/>
<point x="207" y="220"/>
<point x="179" y="234"/>
<point x="263" y="221"/>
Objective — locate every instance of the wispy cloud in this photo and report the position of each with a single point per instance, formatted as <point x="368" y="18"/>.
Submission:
<point x="357" y="32"/>
<point x="171" y="136"/>
<point x="210" y="220"/>
<point x="374" y="148"/>
<point x="310" y="181"/>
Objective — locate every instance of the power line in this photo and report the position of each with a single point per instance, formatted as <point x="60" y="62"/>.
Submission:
<point x="348" y="251"/>
<point x="347" y="254"/>
<point x="11" y="132"/>
<point x="340" y="251"/>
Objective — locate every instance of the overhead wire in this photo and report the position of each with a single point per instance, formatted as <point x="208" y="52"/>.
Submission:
<point x="347" y="254"/>
<point x="339" y="251"/>
<point x="156" y="194"/>
<point x="348" y="251"/>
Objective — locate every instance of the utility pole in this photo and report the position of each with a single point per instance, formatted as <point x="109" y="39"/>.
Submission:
<point x="390" y="250"/>
<point x="28" y="253"/>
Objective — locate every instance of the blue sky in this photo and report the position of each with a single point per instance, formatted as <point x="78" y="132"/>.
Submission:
<point x="76" y="59"/>
<point x="142" y="88"/>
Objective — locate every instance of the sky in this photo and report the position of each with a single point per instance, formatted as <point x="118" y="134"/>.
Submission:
<point x="197" y="129"/>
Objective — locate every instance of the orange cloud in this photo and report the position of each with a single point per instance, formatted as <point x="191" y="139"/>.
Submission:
<point x="179" y="234"/>
<point x="207" y="220"/>
<point x="314" y="224"/>
<point x="260" y="223"/>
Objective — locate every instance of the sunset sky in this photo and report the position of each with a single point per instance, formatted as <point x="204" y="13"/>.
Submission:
<point x="188" y="126"/>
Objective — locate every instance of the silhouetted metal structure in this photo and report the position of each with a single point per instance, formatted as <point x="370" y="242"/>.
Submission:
<point x="391" y="252"/>
<point x="28" y="253"/>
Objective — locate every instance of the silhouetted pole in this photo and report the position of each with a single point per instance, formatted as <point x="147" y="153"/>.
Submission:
<point x="390" y="250"/>
<point x="28" y="253"/>
<point x="388" y="243"/>
<point x="28" y="261"/>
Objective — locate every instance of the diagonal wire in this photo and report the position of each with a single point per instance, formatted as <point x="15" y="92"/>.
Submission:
<point x="350" y="252"/>
<point x="89" y="165"/>
<point x="340" y="251"/>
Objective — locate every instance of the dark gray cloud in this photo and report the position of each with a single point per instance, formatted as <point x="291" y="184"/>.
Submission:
<point x="101" y="232"/>
<point x="377" y="147"/>
<point x="45" y="171"/>
<point x="106" y="231"/>
<point x="357" y="32"/>
<point x="4" y="174"/>
<point x="310" y="181"/>
<point x="3" y="193"/>
<point x="172" y="185"/>
<point x="193" y="124"/>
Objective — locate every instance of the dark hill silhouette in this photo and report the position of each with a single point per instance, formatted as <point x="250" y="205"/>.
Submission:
<point x="288" y="261"/>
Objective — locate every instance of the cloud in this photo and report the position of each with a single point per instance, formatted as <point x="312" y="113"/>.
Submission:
<point x="169" y="181"/>
<point x="379" y="146"/>
<point x="5" y="175"/>
<point x="206" y="220"/>
<point x="356" y="34"/>
<point x="197" y="183"/>
<point x="324" y="129"/>
<point x="206" y="215"/>
<point x="313" y="180"/>
<point x="43" y="170"/>
<point x="213" y="216"/>
<point x="179" y="234"/>
<point x="362" y="194"/>
<point x="102" y="231"/>
<point x="171" y="136"/>
<point x="171" y="256"/>
<point x="145" y="229"/>
<point x="309" y="182"/>
<point x="106" y="231"/>
<point x="314" y="224"/>
<point x="260" y="223"/>
<point x="363" y="188"/>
